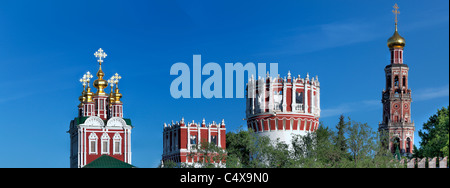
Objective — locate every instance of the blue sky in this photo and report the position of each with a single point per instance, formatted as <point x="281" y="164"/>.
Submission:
<point x="46" y="46"/>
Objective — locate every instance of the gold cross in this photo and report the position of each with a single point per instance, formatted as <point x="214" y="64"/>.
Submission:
<point x="86" y="78"/>
<point x="115" y="79"/>
<point x="396" y="12"/>
<point x="100" y="55"/>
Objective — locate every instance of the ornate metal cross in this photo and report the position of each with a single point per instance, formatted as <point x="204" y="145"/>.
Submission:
<point x="100" y="55"/>
<point x="115" y="79"/>
<point x="86" y="78"/>
<point x="396" y="12"/>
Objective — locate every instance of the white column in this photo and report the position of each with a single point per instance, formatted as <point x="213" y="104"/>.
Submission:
<point x="253" y="96"/>
<point x="306" y="106"/>
<point x="294" y="97"/>
<point x="262" y="93"/>
<point x="270" y="95"/>
<point x="188" y="137"/>
<point x="218" y="136"/>
<point x="312" y="98"/>
<point x="318" y="100"/>
<point x="284" y="96"/>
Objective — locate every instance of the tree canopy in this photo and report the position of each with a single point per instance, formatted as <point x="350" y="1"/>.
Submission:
<point x="434" y="135"/>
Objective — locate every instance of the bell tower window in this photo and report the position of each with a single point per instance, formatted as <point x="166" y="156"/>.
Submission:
<point x="396" y="81"/>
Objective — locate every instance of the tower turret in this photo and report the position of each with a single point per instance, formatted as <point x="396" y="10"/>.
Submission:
<point x="279" y="108"/>
<point x="396" y="98"/>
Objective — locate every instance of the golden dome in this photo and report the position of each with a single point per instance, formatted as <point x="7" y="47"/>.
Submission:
<point x="100" y="83"/>
<point x="82" y="98"/>
<point x="89" y="95"/>
<point x="396" y="41"/>
<point x="112" y="97"/>
<point x="118" y="96"/>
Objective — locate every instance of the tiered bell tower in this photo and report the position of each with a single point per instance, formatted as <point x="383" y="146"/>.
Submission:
<point x="100" y="128"/>
<point x="396" y="98"/>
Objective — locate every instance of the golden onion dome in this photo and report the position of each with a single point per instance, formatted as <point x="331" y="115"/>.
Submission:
<point x="82" y="98"/>
<point x="89" y="95"/>
<point x="112" y="96"/>
<point x="100" y="83"/>
<point x="396" y="41"/>
<point x="118" y="96"/>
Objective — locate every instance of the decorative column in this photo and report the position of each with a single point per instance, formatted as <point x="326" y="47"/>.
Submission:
<point x="284" y="95"/>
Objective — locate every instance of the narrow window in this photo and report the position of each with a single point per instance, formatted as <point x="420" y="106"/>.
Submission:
<point x="93" y="146"/>
<point x="116" y="147"/>
<point x="408" y="143"/>
<point x="93" y="143"/>
<point x="193" y="139"/>
<point x="214" y="140"/>
<point x="104" y="146"/>
<point x="105" y="143"/>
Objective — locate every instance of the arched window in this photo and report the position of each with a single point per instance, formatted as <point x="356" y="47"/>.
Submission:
<point x="298" y="97"/>
<point x="105" y="143"/>
<point x="214" y="139"/>
<point x="388" y="82"/>
<point x="408" y="145"/>
<point x="396" y="81"/>
<point x="193" y="139"/>
<point x="117" y="146"/>
<point x="93" y="143"/>
<point x="404" y="81"/>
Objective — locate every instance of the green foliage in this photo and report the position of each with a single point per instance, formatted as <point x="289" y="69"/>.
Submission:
<point x="340" y="140"/>
<point x="354" y="145"/>
<point x="434" y="135"/>
<point x="168" y="164"/>
<point x="206" y="155"/>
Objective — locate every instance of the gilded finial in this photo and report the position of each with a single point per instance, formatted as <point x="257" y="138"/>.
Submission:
<point x="83" y="81"/>
<point x="100" y="84"/>
<point x="86" y="95"/>
<point x="111" y="95"/>
<point x="396" y="12"/>
<point x="111" y="82"/>
<point x="100" y="55"/>
<point x="396" y="41"/>
<point x="116" y="79"/>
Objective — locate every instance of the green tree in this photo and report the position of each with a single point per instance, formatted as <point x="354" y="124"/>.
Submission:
<point x="239" y="146"/>
<point x="341" y="143"/>
<point x="206" y="155"/>
<point x="434" y="135"/>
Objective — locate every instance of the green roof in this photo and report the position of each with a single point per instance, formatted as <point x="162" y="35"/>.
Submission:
<point x="106" y="161"/>
<point x="128" y="121"/>
<point x="81" y="120"/>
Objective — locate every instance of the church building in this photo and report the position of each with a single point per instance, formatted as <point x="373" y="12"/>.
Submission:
<point x="99" y="129"/>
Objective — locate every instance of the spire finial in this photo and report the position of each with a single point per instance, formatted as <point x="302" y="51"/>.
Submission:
<point x="83" y="81"/>
<point x="396" y="12"/>
<point x="100" y="55"/>
<point x="100" y="83"/>
<point x="111" y="82"/>
<point x="86" y="78"/>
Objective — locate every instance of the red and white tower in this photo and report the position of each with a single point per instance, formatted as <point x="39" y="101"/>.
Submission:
<point x="396" y="98"/>
<point x="100" y="128"/>
<point x="280" y="108"/>
<point x="180" y="139"/>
